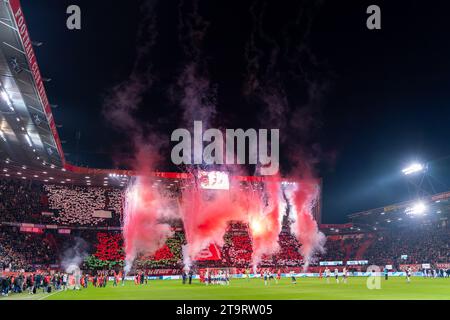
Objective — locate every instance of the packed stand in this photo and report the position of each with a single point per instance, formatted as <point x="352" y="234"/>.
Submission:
<point x="77" y="205"/>
<point x="26" y="201"/>
<point x="419" y="245"/>
<point x="22" y="201"/>
<point x="24" y="251"/>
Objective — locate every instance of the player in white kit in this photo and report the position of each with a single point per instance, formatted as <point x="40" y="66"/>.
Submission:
<point x="408" y="274"/>
<point x="327" y="274"/>
<point x="345" y="275"/>
<point x="336" y="275"/>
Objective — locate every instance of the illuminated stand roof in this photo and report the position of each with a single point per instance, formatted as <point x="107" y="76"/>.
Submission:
<point x="30" y="147"/>
<point x="28" y="130"/>
<point x="433" y="209"/>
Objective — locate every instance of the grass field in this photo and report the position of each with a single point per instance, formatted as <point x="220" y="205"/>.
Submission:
<point x="306" y="289"/>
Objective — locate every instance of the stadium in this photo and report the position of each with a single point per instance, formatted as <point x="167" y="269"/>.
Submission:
<point x="70" y="232"/>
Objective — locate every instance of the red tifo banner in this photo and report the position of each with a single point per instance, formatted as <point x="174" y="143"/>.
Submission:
<point x="212" y="253"/>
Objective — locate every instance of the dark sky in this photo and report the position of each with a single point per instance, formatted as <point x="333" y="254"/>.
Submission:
<point x="386" y="93"/>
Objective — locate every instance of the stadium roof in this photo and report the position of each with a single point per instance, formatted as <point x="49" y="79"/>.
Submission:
<point x="431" y="209"/>
<point x="30" y="147"/>
<point x="29" y="142"/>
<point x="28" y="130"/>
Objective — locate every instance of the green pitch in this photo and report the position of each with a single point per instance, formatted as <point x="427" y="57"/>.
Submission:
<point x="305" y="289"/>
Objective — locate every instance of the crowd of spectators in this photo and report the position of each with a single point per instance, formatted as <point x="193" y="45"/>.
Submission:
<point x="33" y="250"/>
<point x="238" y="249"/>
<point x="109" y="246"/>
<point x="19" y="250"/>
<point x="24" y="250"/>
<point x="334" y="250"/>
<point x="76" y="205"/>
<point x="289" y="254"/>
<point x="169" y="256"/>
<point x="47" y="281"/>
<point x="22" y="201"/>
<point x="410" y="246"/>
<point x="26" y="201"/>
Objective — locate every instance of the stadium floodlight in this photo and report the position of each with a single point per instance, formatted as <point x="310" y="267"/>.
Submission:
<point x="417" y="209"/>
<point x="413" y="168"/>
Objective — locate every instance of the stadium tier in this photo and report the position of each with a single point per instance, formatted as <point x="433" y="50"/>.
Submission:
<point x="40" y="221"/>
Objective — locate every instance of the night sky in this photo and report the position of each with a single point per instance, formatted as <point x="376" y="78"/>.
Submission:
<point x="383" y="98"/>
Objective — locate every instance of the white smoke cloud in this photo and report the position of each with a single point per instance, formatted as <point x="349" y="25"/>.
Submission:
<point x="73" y="257"/>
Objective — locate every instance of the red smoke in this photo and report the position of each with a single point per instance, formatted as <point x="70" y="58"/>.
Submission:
<point x="265" y="221"/>
<point x="142" y="230"/>
<point x="206" y="215"/>
<point x="304" y="227"/>
<point x="145" y="206"/>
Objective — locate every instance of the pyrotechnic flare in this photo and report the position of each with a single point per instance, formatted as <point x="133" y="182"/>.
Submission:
<point x="265" y="222"/>
<point x="143" y="231"/>
<point x="302" y="197"/>
<point x="206" y="215"/>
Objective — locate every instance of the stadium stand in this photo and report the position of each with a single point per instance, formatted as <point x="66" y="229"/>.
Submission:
<point x="426" y="244"/>
<point x="27" y="242"/>
<point x="22" y="201"/>
<point x="76" y="205"/>
<point x="33" y="202"/>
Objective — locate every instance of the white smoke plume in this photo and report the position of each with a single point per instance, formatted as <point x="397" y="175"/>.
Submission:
<point x="73" y="258"/>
